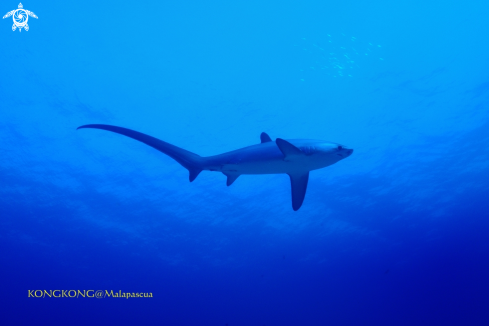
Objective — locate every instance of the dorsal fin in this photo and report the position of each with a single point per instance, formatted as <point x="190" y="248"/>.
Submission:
<point x="265" y="138"/>
<point x="288" y="149"/>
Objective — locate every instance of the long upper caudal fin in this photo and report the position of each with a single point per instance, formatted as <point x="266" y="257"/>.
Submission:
<point x="288" y="149"/>
<point x="192" y="162"/>
<point x="265" y="138"/>
<point x="299" y="187"/>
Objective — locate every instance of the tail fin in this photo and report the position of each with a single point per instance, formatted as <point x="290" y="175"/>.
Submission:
<point x="192" y="162"/>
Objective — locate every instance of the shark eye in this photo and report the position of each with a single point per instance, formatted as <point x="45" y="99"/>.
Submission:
<point x="340" y="147"/>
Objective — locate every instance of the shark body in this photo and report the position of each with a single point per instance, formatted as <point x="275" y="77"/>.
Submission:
<point x="295" y="157"/>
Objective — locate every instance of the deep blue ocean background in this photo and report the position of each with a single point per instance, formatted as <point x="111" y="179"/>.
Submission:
<point x="396" y="234"/>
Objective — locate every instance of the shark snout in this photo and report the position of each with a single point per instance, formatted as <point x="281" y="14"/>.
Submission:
<point x="345" y="152"/>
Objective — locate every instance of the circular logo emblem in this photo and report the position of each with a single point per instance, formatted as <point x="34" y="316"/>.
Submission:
<point x="20" y="17"/>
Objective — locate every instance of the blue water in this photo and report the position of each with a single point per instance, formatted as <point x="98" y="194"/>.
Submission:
<point x="396" y="234"/>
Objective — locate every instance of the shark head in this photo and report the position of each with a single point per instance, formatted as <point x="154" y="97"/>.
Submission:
<point x="327" y="152"/>
<point x="304" y="155"/>
<point x="342" y="151"/>
<point x="319" y="147"/>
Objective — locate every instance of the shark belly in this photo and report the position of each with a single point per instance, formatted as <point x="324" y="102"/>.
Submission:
<point x="257" y="159"/>
<point x="257" y="167"/>
<point x="273" y="166"/>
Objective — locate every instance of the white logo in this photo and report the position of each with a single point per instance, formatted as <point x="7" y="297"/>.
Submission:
<point x="20" y="16"/>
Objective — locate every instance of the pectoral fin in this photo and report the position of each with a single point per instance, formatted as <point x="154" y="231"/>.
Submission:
<point x="299" y="187"/>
